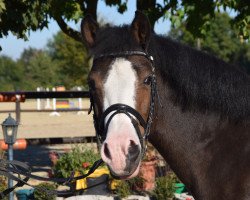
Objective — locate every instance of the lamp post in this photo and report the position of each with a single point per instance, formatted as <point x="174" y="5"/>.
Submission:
<point x="9" y="127"/>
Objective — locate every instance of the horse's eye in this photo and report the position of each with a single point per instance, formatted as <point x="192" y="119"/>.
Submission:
<point x="91" y="84"/>
<point x="147" y="80"/>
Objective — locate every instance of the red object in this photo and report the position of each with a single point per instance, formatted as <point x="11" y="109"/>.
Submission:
<point x="147" y="173"/>
<point x="53" y="157"/>
<point x="11" y="97"/>
<point x="85" y="164"/>
<point x="20" y="144"/>
<point x="50" y="173"/>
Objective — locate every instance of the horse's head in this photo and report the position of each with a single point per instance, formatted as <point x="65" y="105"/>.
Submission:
<point x="122" y="84"/>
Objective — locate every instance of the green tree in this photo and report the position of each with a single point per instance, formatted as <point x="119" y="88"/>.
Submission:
<point x="72" y="60"/>
<point x="22" y="16"/>
<point x="39" y="69"/>
<point x="64" y="62"/>
<point x="10" y="75"/>
<point x="221" y="40"/>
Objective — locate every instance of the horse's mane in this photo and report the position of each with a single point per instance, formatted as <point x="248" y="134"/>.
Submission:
<point x="202" y="81"/>
<point x="199" y="81"/>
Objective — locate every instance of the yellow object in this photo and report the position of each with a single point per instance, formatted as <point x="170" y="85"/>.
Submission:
<point x="82" y="183"/>
<point x="114" y="184"/>
<point x="62" y="106"/>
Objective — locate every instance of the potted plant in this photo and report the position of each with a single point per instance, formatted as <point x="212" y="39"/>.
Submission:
<point x="148" y="170"/>
<point x="165" y="187"/>
<point x="123" y="189"/>
<point x="79" y="160"/>
<point x="42" y="191"/>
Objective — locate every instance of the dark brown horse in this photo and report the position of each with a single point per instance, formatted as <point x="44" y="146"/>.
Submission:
<point x="199" y="105"/>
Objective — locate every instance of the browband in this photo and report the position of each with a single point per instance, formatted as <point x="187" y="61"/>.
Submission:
<point x="125" y="53"/>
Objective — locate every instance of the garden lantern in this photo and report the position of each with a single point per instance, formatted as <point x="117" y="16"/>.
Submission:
<point x="9" y="127"/>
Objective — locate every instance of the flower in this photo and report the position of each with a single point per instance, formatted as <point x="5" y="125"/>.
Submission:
<point x="85" y="164"/>
<point x="53" y="157"/>
<point x="50" y="173"/>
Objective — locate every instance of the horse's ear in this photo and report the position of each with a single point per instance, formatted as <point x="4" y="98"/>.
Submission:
<point x="88" y="29"/>
<point x="141" y="29"/>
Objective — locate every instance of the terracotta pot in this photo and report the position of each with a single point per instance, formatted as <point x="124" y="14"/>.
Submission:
<point x="147" y="173"/>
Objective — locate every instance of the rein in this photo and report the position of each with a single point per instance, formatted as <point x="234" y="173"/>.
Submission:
<point x="10" y="168"/>
<point x="135" y="117"/>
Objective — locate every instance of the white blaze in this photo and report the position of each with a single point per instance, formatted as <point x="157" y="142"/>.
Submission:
<point x="119" y="87"/>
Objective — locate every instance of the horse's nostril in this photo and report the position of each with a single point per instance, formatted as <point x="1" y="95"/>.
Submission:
<point x="106" y="151"/>
<point x="132" y="143"/>
<point x="133" y="151"/>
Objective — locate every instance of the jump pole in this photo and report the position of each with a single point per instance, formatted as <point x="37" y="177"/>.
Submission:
<point x="38" y="101"/>
<point x="80" y="106"/>
<point x="47" y="106"/>
<point x="54" y="113"/>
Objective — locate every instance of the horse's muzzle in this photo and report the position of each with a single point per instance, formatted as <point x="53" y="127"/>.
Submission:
<point x="122" y="165"/>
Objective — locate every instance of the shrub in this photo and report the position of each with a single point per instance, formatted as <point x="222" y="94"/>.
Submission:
<point x="3" y="185"/>
<point x="3" y="179"/>
<point x="165" y="187"/>
<point x="78" y="159"/>
<point x="43" y="191"/>
<point x="129" y="187"/>
<point x="124" y="189"/>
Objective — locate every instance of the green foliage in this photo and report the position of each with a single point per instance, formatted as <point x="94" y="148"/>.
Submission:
<point x="75" y="160"/>
<point x="20" y="17"/>
<point x="39" y="70"/>
<point x="71" y="58"/>
<point x="129" y="187"/>
<point x="70" y="10"/>
<point x="242" y="19"/>
<point x="42" y="191"/>
<point x="165" y="187"/>
<point x="120" y="4"/>
<point x="64" y="62"/>
<point x="136" y="183"/>
<point x="3" y="185"/>
<point x="124" y="189"/>
<point x="3" y="179"/>
<point x="221" y="40"/>
<point x="2" y="6"/>
<point x="10" y="74"/>
<point x="199" y="14"/>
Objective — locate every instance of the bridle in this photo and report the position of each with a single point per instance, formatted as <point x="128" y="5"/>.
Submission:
<point x="136" y="119"/>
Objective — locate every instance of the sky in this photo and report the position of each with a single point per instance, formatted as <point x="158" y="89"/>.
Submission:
<point x="13" y="47"/>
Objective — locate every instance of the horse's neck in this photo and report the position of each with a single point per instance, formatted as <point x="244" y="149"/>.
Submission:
<point x="175" y="134"/>
<point x="184" y="139"/>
